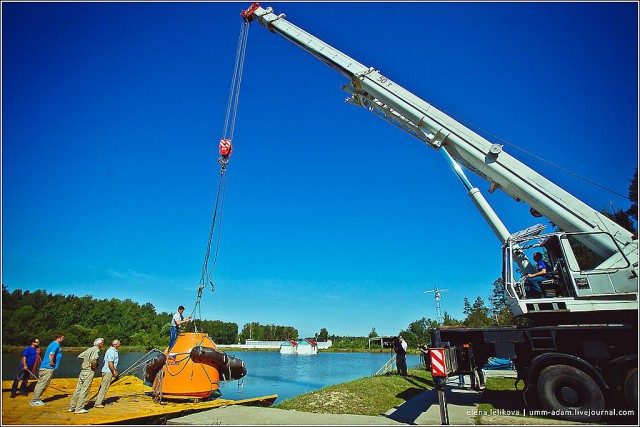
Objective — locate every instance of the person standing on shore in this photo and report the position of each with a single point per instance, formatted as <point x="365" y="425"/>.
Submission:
<point x="53" y="355"/>
<point x="87" y="371"/>
<point x="27" y="367"/>
<point x="426" y="357"/>
<point x="109" y="371"/>
<point x="401" y="355"/>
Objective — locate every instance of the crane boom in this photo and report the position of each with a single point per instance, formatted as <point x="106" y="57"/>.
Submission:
<point x="372" y="90"/>
<point x="608" y="284"/>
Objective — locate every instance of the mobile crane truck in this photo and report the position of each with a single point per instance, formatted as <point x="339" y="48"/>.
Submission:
<point x="578" y="355"/>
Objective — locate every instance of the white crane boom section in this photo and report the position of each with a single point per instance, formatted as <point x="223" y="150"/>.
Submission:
<point x="372" y="90"/>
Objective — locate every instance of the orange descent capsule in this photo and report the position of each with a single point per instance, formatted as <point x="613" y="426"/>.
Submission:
<point x="193" y="368"/>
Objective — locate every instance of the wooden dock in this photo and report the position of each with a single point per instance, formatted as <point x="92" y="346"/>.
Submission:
<point x="128" y="401"/>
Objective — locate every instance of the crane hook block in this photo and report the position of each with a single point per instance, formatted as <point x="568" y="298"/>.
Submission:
<point x="247" y="14"/>
<point x="225" y="147"/>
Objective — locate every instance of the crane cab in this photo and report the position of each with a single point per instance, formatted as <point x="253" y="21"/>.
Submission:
<point x="584" y="284"/>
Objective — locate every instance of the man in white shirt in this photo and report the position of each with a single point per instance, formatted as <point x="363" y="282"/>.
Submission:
<point x="401" y="355"/>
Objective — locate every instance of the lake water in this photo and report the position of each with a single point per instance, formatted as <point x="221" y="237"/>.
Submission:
<point x="268" y="372"/>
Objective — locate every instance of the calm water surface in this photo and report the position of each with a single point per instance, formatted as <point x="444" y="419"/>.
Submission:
<point x="268" y="372"/>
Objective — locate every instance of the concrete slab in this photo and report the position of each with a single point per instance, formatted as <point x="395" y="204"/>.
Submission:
<point x="424" y="409"/>
<point x="249" y="415"/>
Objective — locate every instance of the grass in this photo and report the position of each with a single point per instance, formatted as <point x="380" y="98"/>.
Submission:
<point x="377" y="395"/>
<point x="365" y="396"/>
<point x="501" y="396"/>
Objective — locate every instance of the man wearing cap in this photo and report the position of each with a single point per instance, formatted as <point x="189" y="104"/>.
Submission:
<point x="87" y="371"/>
<point x="109" y="372"/>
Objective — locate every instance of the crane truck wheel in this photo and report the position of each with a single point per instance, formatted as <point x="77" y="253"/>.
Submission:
<point x="570" y="394"/>
<point x="631" y="387"/>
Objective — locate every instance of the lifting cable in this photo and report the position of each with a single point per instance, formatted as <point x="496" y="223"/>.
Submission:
<point x="225" y="148"/>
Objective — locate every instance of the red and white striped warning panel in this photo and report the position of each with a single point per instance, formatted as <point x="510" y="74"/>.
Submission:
<point x="437" y="362"/>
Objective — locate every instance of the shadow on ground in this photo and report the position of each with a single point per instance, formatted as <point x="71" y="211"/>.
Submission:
<point x="413" y="408"/>
<point x="507" y="400"/>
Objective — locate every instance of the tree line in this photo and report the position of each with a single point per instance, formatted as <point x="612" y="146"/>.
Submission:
<point x="27" y="314"/>
<point x="258" y="332"/>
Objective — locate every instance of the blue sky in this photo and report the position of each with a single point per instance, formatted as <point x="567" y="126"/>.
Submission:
<point x="333" y="218"/>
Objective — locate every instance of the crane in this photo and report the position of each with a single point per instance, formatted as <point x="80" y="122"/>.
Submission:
<point x="578" y="354"/>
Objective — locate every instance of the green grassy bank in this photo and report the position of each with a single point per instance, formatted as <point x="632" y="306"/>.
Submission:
<point x="365" y="396"/>
<point x="377" y="395"/>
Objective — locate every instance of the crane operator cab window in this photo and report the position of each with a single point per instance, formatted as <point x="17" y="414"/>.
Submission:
<point x="534" y="268"/>
<point x="572" y="268"/>
<point x="540" y="279"/>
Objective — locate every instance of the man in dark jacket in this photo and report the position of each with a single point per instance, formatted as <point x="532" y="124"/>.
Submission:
<point x="400" y="347"/>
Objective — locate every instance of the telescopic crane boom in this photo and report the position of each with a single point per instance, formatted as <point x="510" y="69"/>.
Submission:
<point x="611" y="284"/>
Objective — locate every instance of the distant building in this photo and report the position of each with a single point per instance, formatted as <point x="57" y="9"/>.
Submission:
<point x="384" y="342"/>
<point x="305" y="346"/>
<point x="262" y="344"/>
<point x="289" y="347"/>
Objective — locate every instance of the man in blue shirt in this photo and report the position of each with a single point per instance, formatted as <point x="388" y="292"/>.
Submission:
<point x="27" y="364"/>
<point x="50" y="362"/>
<point x="532" y="281"/>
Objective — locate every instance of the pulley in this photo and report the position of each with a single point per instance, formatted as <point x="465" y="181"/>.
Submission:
<point x="225" y="148"/>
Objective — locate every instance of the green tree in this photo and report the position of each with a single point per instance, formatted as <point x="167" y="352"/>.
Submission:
<point x="349" y="343"/>
<point x="620" y="217"/>
<point x="373" y="333"/>
<point x="633" y="196"/>
<point x="498" y="299"/>
<point x="16" y="326"/>
<point x="420" y="328"/>
<point x="323" y="335"/>
<point x="450" y="321"/>
<point x="467" y="306"/>
<point x="82" y="319"/>
<point x="479" y="315"/>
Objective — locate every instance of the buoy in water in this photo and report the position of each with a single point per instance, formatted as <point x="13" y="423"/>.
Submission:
<point x="193" y="368"/>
